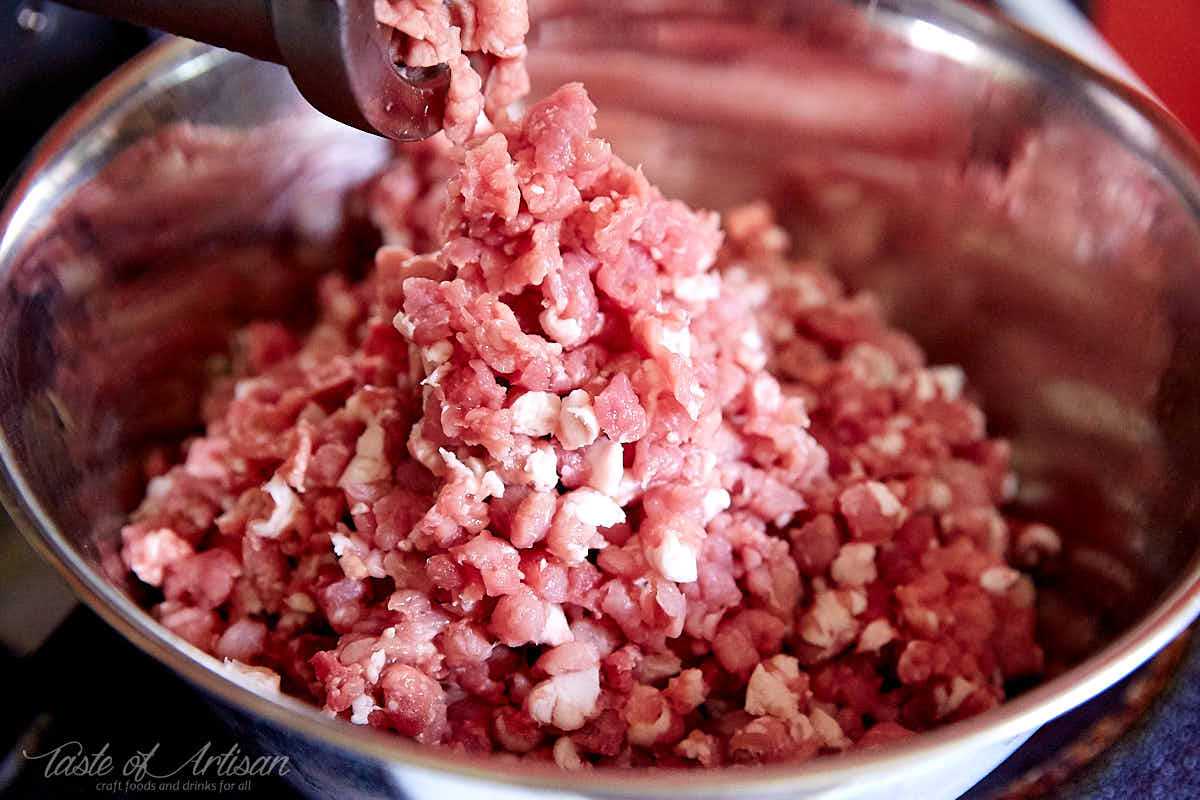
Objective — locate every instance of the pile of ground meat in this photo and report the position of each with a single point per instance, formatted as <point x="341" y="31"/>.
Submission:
<point x="580" y="474"/>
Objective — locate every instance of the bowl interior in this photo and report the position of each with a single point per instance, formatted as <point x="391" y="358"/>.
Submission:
<point x="1009" y="213"/>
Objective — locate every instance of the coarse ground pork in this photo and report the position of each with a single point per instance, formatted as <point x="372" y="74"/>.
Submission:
<point x="481" y="41"/>
<point x="580" y="474"/>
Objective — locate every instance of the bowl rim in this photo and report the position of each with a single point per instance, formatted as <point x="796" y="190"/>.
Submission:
<point x="1170" y="150"/>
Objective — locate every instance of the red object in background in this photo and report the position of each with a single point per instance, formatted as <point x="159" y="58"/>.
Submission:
<point x="1161" y="41"/>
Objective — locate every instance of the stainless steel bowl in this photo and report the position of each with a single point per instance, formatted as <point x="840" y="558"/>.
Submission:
<point x="1021" y="214"/>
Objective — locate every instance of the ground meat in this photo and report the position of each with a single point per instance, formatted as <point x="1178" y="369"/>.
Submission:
<point x="591" y="480"/>
<point x="483" y="44"/>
